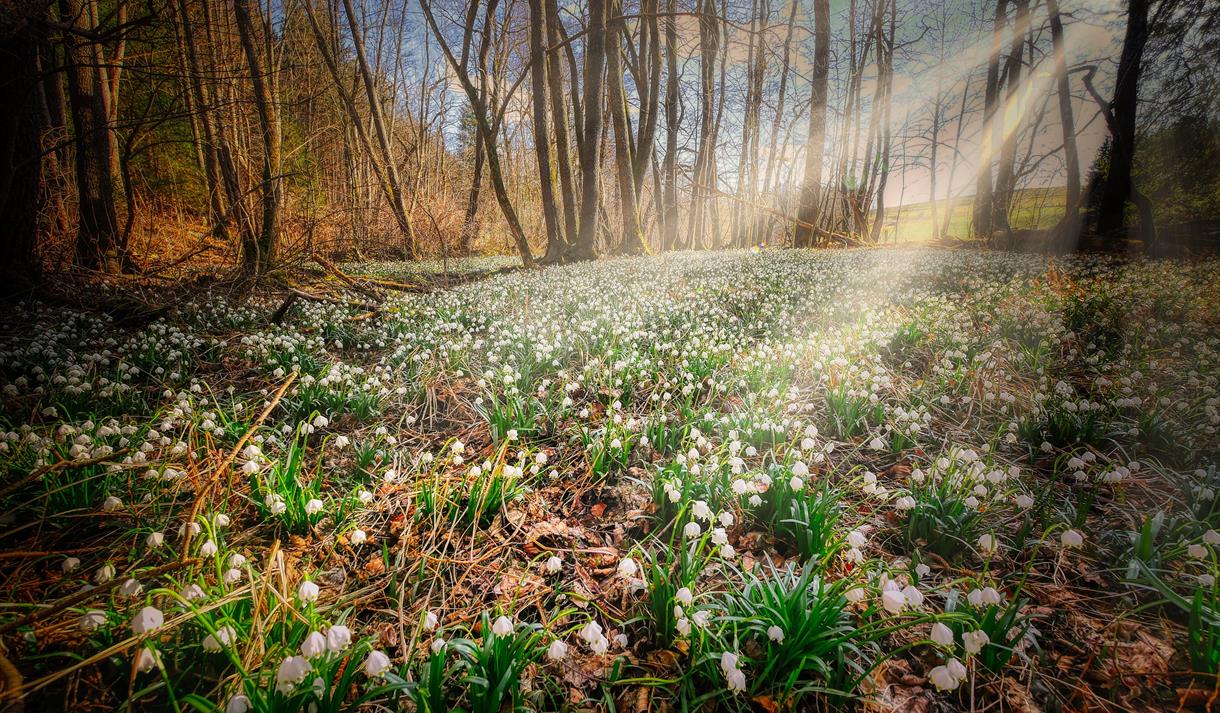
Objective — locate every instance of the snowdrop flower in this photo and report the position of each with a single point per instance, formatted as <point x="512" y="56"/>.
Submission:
<point x="755" y="500"/>
<point x="796" y="483"/>
<point x="988" y="544"/>
<point x="314" y="645"/>
<point x="430" y="621"/>
<point x="503" y="626"/>
<point x="1211" y="537"/>
<point x="1023" y="501"/>
<point x="941" y="635"/>
<point x="321" y="421"/>
<point x="238" y="704"/>
<point x="146" y="660"/>
<point x="913" y="595"/>
<point x="1071" y="538"/>
<point x="736" y="680"/>
<point x="233" y="575"/>
<point x="922" y="570"/>
<point x="692" y="530"/>
<point x="313" y="506"/>
<point x="553" y="565"/>
<point x="943" y="679"/>
<point x="191" y="592"/>
<point x="308" y="591"/>
<point x="701" y="511"/>
<point x="684" y="596"/>
<point x="600" y="646"/>
<point x="683" y="627"/>
<point x="775" y="634"/>
<point x="974" y="641"/>
<point x="104" y="574"/>
<point x="276" y="504"/>
<point x="1197" y="551"/>
<point x="111" y="504"/>
<point x="376" y="664"/>
<point x="437" y="645"/>
<point x="208" y="549"/>
<point x="155" y="539"/>
<point x="70" y="564"/>
<point x="291" y="672"/>
<point x="904" y="503"/>
<point x="223" y="637"/>
<point x="148" y="620"/>
<point x="338" y="638"/>
<point x="725" y="518"/>
<point x="590" y="632"/>
<point x="557" y="651"/>
<point x="358" y="537"/>
<point x="92" y="619"/>
<point x="856" y="539"/>
<point x="512" y="434"/>
<point x="627" y="567"/>
<point x="365" y="497"/>
<point x="893" y="600"/>
<point x="131" y="588"/>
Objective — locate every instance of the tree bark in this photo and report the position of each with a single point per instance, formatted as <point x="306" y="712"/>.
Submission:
<point x="983" y="208"/>
<point x="1071" y="159"/>
<point x="20" y="153"/>
<point x="542" y="142"/>
<point x="590" y="141"/>
<point x="811" y="186"/>
<point x="632" y="242"/>
<point x="1116" y="189"/>
<point x="669" y="210"/>
<point x="563" y="151"/>
<point x="259" y="256"/>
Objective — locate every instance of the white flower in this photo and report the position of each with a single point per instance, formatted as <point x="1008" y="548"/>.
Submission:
<point x="1211" y="537"/>
<point x="856" y="539"/>
<point x="736" y="680"/>
<point x="684" y="595"/>
<point x="358" y="537"/>
<point x="223" y="637"/>
<point x="943" y="679"/>
<point x="320" y="421"/>
<point x="799" y="470"/>
<point x="503" y="626"/>
<point x="1197" y="551"/>
<point x="292" y="671"/>
<point x="512" y="434"/>
<point x="974" y="641"/>
<point x="308" y="591"/>
<point x="942" y="635"/>
<point x="437" y="645"/>
<point x="111" y="504"/>
<point x="338" y="638"/>
<point x="377" y="663"/>
<point x="957" y="669"/>
<point x="191" y="592"/>
<point x="430" y="621"/>
<point x="233" y="575"/>
<point x="238" y="704"/>
<point x="313" y="645"/>
<point x="155" y="539"/>
<point x="728" y="661"/>
<point x="208" y="549"/>
<point x="313" y="506"/>
<point x="775" y="634"/>
<point x="701" y="511"/>
<point x="557" y="651"/>
<point x="92" y="619"/>
<point x="1071" y="538"/>
<point x="627" y="567"/>
<point x="590" y="632"/>
<point x="913" y="595"/>
<point x="553" y="565"/>
<point x="147" y="659"/>
<point x="692" y="530"/>
<point x="988" y="544"/>
<point x="131" y="588"/>
<point x="725" y="518"/>
<point x="893" y="600"/>
<point x="906" y="502"/>
<point x="341" y="441"/>
<point x="148" y="620"/>
<point x="70" y="564"/>
<point x="796" y="483"/>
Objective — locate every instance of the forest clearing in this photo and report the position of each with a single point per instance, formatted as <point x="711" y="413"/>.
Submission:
<point x="894" y="479"/>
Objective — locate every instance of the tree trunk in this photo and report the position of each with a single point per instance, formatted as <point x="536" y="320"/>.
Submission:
<point x="20" y="154"/>
<point x="669" y="211"/>
<point x="1071" y="159"/>
<point x="590" y="140"/>
<point x="632" y="242"/>
<point x="1116" y="189"/>
<point x="811" y="186"/>
<point x="983" y="208"/>
<point x="98" y="230"/>
<point x="1005" y="183"/>
<point x="542" y="142"/>
<point x="259" y="256"/>
<point x="559" y="113"/>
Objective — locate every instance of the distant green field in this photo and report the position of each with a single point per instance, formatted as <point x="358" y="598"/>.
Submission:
<point x="1032" y="208"/>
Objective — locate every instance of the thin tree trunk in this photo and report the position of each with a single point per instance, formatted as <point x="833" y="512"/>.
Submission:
<point x="1116" y="188"/>
<point x="1071" y="159"/>
<point x="811" y="186"/>
<point x="1005" y="183"/>
<point x="542" y="142"/>
<point x="260" y="256"/>
<point x="669" y="211"/>
<point x="632" y="242"/>
<point x="590" y="141"/>
<point x="563" y="150"/>
<point x="20" y="154"/>
<point x="983" y="208"/>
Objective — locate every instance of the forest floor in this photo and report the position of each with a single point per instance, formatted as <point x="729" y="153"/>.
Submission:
<point x="891" y="480"/>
